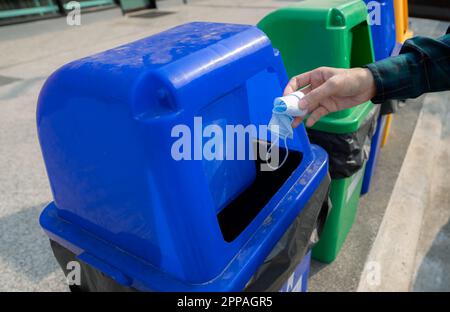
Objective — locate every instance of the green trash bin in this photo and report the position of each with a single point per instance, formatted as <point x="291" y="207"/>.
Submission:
<point x="314" y="33"/>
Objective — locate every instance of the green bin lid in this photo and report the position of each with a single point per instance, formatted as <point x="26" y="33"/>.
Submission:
<point x="346" y="121"/>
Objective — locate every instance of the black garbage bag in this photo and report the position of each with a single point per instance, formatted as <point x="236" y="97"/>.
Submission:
<point x="92" y="280"/>
<point x="298" y="240"/>
<point x="287" y="254"/>
<point x="347" y="152"/>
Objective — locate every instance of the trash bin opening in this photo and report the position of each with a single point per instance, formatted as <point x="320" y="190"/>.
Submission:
<point x="361" y="46"/>
<point x="240" y="212"/>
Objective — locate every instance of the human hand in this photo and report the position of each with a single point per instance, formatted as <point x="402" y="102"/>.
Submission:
<point x="330" y="89"/>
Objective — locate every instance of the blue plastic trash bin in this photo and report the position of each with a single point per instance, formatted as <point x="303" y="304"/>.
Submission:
<point x="382" y="26"/>
<point x="373" y="155"/>
<point x="148" y="212"/>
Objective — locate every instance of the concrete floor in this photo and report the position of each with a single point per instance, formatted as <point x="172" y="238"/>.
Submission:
<point x="30" y="52"/>
<point x="432" y="263"/>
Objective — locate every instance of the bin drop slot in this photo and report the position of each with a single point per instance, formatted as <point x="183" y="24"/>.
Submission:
<point x="239" y="213"/>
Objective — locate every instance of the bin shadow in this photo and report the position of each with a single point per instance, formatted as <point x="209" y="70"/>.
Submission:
<point x="20" y="87"/>
<point x="24" y="247"/>
<point x="316" y="267"/>
<point x="434" y="271"/>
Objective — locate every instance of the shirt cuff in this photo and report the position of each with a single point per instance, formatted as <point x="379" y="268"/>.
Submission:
<point x="393" y="78"/>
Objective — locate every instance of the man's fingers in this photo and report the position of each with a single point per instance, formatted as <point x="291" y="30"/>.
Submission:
<point x="297" y="121"/>
<point x="312" y="100"/>
<point x="316" y="115"/>
<point x="313" y="117"/>
<point x="306" y="90"/>
<point x="297" y="82"/>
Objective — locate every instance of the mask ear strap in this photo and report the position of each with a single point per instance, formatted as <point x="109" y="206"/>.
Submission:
<point x="269" y="151"/>
<point x="287" y="152"/>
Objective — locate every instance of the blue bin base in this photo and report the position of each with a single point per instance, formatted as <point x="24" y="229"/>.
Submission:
<point x="94" y="280"/>
<point x="373" y="156"/>
<point x="285" y="269"/>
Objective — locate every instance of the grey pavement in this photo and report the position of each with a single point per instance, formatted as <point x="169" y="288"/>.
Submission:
<point x="30" y="52"/>
<point x="432" y="267"/>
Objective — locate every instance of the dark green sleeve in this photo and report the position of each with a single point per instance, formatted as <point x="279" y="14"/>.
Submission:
<point x="423" y="65"/>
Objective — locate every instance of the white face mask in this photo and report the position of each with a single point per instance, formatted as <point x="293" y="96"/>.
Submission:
<point x="280" y="125"/>
<point x="284" y="110"/>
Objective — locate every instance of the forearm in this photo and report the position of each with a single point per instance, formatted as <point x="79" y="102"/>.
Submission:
<point x="422" y="66"/>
